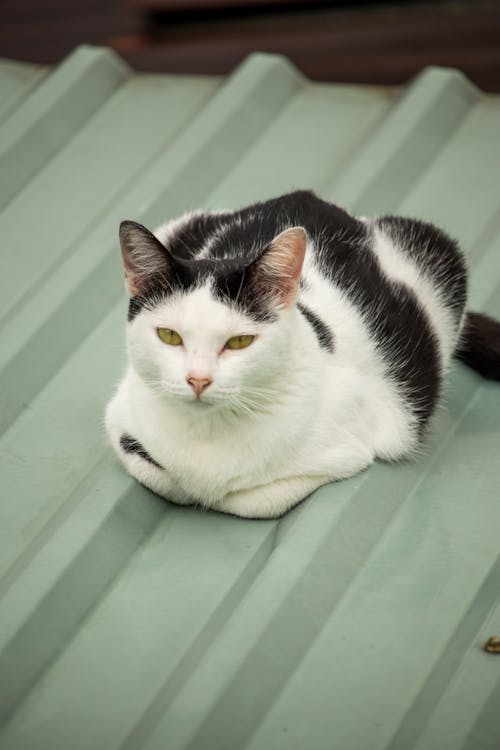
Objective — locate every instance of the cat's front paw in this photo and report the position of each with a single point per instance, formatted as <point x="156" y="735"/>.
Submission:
<point x="270" y="500"/>
<point x="247" y="505"/>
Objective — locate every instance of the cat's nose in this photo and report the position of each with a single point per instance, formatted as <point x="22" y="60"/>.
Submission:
<point x="198" y="384"/>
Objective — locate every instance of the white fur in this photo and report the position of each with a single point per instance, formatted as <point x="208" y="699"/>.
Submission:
<point x="281" y="417"/>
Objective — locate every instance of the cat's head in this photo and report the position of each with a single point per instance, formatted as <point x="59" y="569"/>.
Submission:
<point x="211" y="331"/>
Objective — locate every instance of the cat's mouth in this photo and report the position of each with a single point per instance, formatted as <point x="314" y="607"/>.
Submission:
<point x="208" y="404"/>
<point x="203" y="401"/>
<point x="224" y="398"/>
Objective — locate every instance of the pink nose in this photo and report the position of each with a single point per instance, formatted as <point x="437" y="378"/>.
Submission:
<point x="198" y="384"/>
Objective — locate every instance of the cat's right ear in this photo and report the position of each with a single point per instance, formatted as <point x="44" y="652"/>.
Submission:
<point x="143" y="257"/>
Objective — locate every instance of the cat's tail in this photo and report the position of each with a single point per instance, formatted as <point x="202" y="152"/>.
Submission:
<point x="479" y="345"/>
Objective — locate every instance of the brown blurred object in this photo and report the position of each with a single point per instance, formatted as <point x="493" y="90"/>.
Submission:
<point x="384" y="45"/>
<point x="361" y="43"/>
<point x="214" y="5"/>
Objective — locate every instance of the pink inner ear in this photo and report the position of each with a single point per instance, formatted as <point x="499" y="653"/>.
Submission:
<point x="143" y="256"/>
<point x="130" y="281"/>
<point x="282" y="263"/>
<point x="132" y="273"/>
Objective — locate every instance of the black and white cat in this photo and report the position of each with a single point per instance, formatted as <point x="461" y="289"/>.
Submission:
<point x="285" y="345"/>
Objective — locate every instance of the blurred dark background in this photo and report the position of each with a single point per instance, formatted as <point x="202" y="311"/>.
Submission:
<point x="364" y="42"/>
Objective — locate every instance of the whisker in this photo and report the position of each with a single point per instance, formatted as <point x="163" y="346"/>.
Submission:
<point x="241" y="286"/>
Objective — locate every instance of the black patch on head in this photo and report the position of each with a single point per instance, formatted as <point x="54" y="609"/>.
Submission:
<point x="192" y="235"/>
<point x="136" y="304"/>
<point x="234" y="289"/>
<point x="130" y="445"/>
<point x="325" y="336"/>
<point x="236" y="240"/>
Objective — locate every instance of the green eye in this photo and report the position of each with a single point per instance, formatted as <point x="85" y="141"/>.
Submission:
<point x="169" y="337"/>
<point x="239" y="342"/>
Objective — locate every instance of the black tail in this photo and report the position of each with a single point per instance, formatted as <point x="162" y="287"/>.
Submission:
<point x="479" y="346"/>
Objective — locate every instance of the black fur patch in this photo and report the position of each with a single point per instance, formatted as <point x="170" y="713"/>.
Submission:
<point x="136" y="304"/>
<point x="325" y="336"/>
<point x="434" y="251"/>
<point x="394" y="319"/>
<point x="130" y="445"/>
<point x="480" y="345"/>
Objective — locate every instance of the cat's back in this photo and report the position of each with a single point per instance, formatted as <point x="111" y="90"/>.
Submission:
<point x="405" y="281"/>
<point x="242" y="235"/>
<point x="418" y="260"/>
<point x="405" y="276"/>
<point x="425" y="250"/>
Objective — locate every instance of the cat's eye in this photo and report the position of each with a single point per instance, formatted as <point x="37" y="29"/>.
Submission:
<point x="169" y="337"/>
<point x="239" y="342"/>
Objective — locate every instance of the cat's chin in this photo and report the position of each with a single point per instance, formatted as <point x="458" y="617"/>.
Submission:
<point x="182" y="399"/>
<point x="207" y="407"/>
<point x="201" y="403"/>
<point x="192" y="403"/>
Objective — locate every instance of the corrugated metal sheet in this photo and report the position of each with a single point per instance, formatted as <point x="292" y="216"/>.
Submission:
<point x="357" y="620"/>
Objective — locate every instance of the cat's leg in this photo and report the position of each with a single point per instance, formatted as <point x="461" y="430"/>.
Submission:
<point x="270" y="500"/>
<point x="134" y="456"/>
<point x="153" y="476"/>
<point x="276" y="498"/>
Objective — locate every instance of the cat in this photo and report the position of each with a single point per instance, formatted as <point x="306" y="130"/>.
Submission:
<point x="285" y="345"/>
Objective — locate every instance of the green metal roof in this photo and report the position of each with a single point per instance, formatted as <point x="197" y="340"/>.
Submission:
<point x="356" y="621"/>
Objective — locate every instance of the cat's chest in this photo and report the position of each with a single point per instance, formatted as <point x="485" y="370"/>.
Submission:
<point x="208" y="465"/>
<point x="211" y="467"/>
<point x="212" y="462"/>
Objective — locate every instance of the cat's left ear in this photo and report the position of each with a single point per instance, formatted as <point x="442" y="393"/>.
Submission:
<point x="277" y="271"/>
<point x="143" y="257"/>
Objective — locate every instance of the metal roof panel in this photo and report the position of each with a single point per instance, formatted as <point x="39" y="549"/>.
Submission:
<point x="356" y="621"/>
